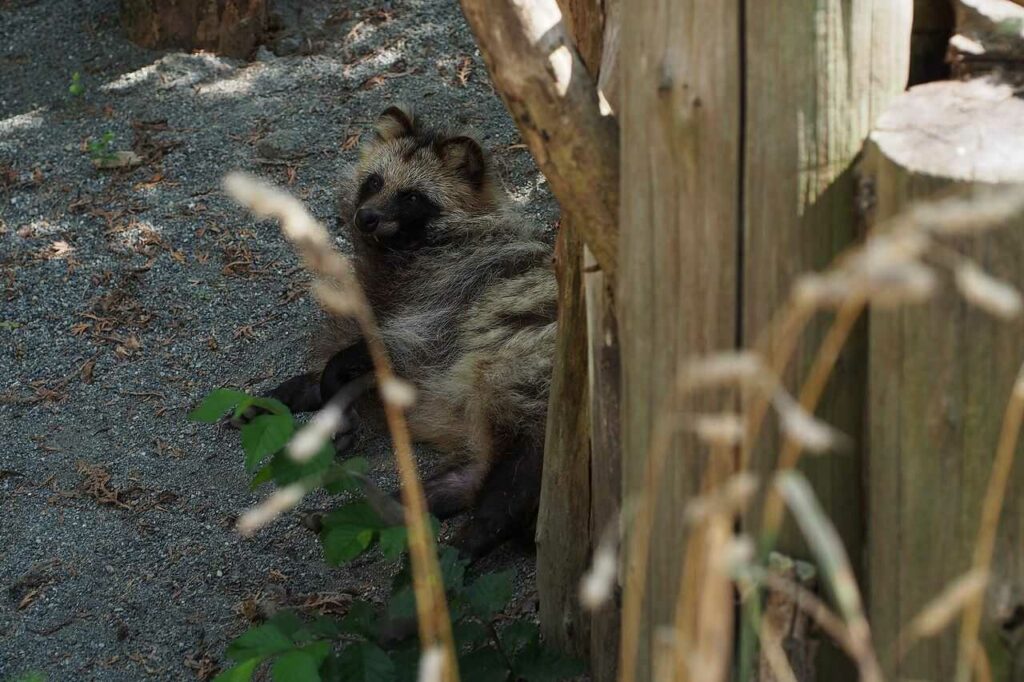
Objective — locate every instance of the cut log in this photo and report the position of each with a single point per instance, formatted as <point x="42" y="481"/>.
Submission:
<point x="939" y="377"/>
<point x="231" y="28"/>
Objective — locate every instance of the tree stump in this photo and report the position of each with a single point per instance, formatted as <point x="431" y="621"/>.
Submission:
<point x="939" y="378"/>
<point x="231" y="28"/>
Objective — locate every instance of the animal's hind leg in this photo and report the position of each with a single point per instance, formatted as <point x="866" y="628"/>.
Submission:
<point x="507" y="503"/>
<point x="301" y="393"/>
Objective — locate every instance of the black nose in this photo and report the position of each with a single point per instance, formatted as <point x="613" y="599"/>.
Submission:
<point x="367" y="219"/>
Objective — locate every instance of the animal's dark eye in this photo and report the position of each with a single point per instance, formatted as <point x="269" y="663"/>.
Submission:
<point x="373" y="183"/>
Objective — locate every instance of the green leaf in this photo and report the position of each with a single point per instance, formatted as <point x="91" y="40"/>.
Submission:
<point x="264" y="436"/>
<point x="453" y="569"/>
<point x="402" y="604"/>
<point x="322" y="626"/>
<point x="483" y="665"/>
<point x="490" y="593"/>
<point x="265" y="640"/>
<point x="287" y="623"/>
<point x="215" y="405"/>
<point x="469" y="634"/>
<point x="365" y="662"/>
<point x="344" y="543"/>
<point x="272" y="405"/>
<point x="286" y="470"/>
<point x="359" y="620"/>
<point x="519" y="634"/>
<point x="358" y="514"/>
<point x="537" y="664"/>
<point x="239" y="673"/>
<point x="296" y="666"/>
<point x="393" y="541"/>
<point x="264" y="475"/>
<point x="341" y="478"/>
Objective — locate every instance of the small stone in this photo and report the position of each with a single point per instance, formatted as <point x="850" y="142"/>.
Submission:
<point x="281" y="144"/>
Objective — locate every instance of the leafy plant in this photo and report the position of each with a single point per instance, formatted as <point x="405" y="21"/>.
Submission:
<point x="99" y="150"/>
<point x="77" y="88"/>
<point x="491" y="646"/>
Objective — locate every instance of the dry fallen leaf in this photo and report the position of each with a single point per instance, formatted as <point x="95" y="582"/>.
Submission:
<point x="125" y="159"/>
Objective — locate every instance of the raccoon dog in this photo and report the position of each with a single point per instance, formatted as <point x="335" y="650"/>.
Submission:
<point x="464" y="292"/>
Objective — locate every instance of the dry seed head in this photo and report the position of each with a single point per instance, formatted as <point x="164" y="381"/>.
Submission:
<point x="899" y="284"/>
<point x="597" y="584"/>
<point x="266" y="201"/>
<point x="822" y="291"/>
<point x="803" y="428"/>
<point x="739" y="555"/>
<point x="279" y="502"/>
<point x="982" y="211"/>
<point x="431" y="665"/>
<point x="398" y="392"/>
<point x="730" y="497"/>
<point x="311" y="438"/>
<point x="988" y="293"/>
<point x="719" y="429"/>
<point x="741" y="367"/>
<point x="335" y="300"/>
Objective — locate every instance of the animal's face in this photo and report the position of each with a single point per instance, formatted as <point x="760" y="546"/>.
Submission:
<point x="408" y="176"/>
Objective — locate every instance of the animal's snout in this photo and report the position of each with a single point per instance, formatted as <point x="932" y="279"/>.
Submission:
<point x="367" y="219"/>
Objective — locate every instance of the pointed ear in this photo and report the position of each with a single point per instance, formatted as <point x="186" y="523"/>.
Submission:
<point x="395" y="122"/>
<point x="465" y="156"/>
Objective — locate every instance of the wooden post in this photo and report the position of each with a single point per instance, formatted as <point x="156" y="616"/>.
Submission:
<point x="565" y="496"/>
<point x="228" y="27"/>
<point x="939" y="378"/>
<point x="679" y="223"/>
<point x="810" y="101"/>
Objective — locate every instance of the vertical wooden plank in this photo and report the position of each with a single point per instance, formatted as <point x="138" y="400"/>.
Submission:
<point x="677" y="287"/>
<point x="939" y="378"/>
<point x="605" y="451"/>
<point x="812" y="92"/>
<point x="565" y="495"/>
<point x="582" y="425"/>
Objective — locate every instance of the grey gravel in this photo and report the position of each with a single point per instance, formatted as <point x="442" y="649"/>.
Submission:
<point x="128" y="295"/>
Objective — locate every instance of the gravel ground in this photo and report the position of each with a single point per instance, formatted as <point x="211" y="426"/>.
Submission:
<point x="127" y="295"/>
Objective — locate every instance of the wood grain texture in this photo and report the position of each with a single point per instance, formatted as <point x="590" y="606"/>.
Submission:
<point x="228" y="27"/>
<point x="553" y="101"/>
<point x="605" y="451"/>
<point x="939" y="378"/>
<point x="565" y="496"/>
<point x="677" y="287"/>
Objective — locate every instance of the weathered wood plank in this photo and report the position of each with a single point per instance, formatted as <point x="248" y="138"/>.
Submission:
<point x="565" y="496"/>
<point x="680" y="113"/>
<point x="939" y="377"/>
<point x="812" y="93"/>
<point x="605" y="451"/>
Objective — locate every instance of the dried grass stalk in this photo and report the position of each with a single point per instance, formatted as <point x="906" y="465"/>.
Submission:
<point x="334" y="272"/>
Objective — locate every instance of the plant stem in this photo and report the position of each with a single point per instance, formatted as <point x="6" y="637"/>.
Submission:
<point x="992" y="506"/>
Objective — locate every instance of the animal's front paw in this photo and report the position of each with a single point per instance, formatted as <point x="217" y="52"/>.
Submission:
<point x="246" y="416"/>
